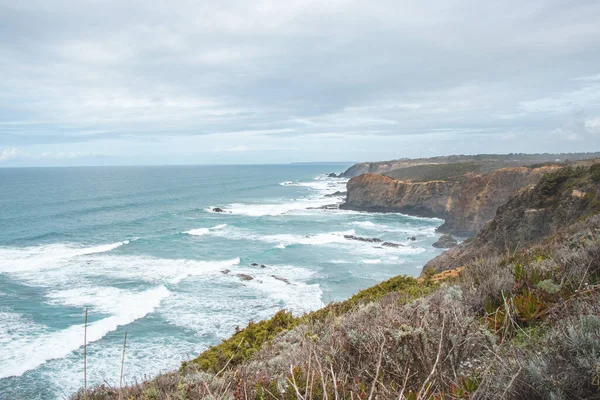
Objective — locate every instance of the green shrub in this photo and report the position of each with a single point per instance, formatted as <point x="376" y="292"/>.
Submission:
<point x="551" y="182"/>
<point x="595" y="172"/>
<point x="244" y="343"/>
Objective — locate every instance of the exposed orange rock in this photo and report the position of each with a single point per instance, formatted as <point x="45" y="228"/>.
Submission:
<point x="466" y="206"/>
<point x="444" y="275"/>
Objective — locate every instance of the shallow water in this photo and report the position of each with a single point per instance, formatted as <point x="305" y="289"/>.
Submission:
<point x="142" y="249"/>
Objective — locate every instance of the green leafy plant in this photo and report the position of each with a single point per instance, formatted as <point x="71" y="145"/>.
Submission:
<point x="529" y="306"/>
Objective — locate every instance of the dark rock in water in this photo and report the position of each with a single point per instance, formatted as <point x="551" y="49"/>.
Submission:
<point x="445" y="242"/>
<point x="390" y="244"/>
<point x="225" y="271"/>
<point x="336" y="194"/>
<point x="332" y="175"/>
<point x="254" y="265"/>
<point x="245" y="277"/>
<point x="263" y="266"/>
<point x="363" y="239"/>
<point x="326" y="207"/>
<point x="218" y="209"/>
<point x="412" y="238"/>
<point x="281" y="279"/>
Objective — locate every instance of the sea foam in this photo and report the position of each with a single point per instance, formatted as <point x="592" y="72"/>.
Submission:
<point x="39" y="257"/>
<point x="26" y="352"/>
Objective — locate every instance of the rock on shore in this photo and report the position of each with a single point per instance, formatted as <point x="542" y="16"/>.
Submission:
<point x="446" y="241"/>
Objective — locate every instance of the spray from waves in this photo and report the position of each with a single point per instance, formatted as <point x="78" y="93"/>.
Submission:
<point x="285" y="239"/>
<point x="276" y="209"/>
<point x="121" y="268"/>
<point x="212" y="309"/>
<point x="320" y="239"/>
<point x="428" y="231"/>
<point x="319" y="188"/>
<point x="39" y="257"/>
<point x="27" y="352"/>
<point x="314" y="240"/>
<point x="204" y="231"/>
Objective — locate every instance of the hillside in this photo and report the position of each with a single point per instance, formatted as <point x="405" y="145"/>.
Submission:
<point x="482" y="163"/>
<point x="506" y="325"/>
<point x="532" y="214"/>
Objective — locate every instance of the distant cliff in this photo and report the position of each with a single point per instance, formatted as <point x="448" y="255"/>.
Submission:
<point x="486" y="162"/>
<point x="465" y="205"/>
<point x="532" y="214"/>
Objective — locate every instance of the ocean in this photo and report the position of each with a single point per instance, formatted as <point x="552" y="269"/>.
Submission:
<point x="143" y="250"/>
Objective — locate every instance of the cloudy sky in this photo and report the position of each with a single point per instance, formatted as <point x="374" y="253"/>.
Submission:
<point x="88" y="82"/>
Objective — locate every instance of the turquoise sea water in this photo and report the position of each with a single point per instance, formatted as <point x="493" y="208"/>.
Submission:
<point x="142" y="249"/>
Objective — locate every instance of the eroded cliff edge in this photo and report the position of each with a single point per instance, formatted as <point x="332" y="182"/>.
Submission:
<point x="534" y="213"/>
<point x="465" y="205"/>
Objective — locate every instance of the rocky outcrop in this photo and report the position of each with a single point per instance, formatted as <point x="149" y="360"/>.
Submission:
<point x="363" y="239"/>
<point x="245" y="277"/>
<point x="466" y="205"/>
<point x="532" y="214"/>
<point x="479" y="196"/>
<point x="378" y="193"/>
<point x="446" y="241"/>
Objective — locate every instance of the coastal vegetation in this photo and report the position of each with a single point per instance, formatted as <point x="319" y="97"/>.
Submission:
<point x="521" y="322"/>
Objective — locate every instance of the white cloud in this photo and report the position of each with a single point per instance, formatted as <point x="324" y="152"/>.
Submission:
<point x="10" y="154"/>
<point x="592" y="125"/>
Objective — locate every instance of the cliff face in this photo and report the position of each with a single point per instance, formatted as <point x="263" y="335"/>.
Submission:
<point x="465" y="206"/>
<point x="479" y="196"/>
<point x="532" y="214"/>
<point x="378" y="193"/>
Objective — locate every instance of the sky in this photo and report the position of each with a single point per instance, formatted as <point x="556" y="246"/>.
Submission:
<point x="126" y="82"/>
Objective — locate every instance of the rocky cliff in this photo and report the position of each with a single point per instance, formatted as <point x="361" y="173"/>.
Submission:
<point x="465" y="205"/>
<point x="532" y="214"/>
<point x="379" y="193"/>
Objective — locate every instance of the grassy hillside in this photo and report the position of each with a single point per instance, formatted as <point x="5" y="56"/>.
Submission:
<point x="435" y="172"/>
<point x="487" y="162"/>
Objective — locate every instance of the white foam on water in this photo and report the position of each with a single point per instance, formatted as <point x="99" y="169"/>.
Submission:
<point x="376" y="261"/>
<point x="426" y="231"/>
<point x="145" y="357"/>
<point x="205" y="231"/>
<point x="47" y="256"/>
<point x="319" y="188"/>
<point x="315" y="240"/>
<point x="198" y="232"/>
<point x="297" y="297"/>
<point x="219" y="310"/>
<point x="24" y="353"/>
<point x="86" y="270"/>
<point x="14" y="325"/>
<point x="367" y="225"/>
<point x="284" y="239"/>
<point x="277" y="209"/>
